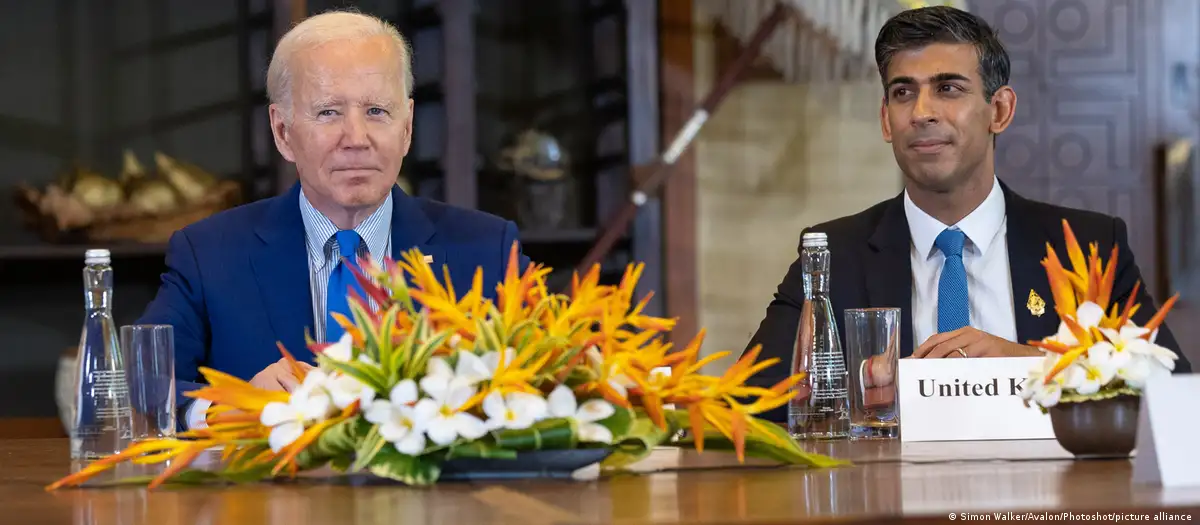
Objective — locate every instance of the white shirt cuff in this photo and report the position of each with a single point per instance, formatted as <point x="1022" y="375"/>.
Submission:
<point x="196" y="414"/>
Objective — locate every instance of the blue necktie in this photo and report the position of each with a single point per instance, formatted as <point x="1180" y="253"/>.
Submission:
<point x="340" y="282"/>
<point x="953" y="310"/>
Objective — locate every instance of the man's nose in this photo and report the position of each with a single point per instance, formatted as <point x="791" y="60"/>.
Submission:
<point x="355" y="131"/>
<point x="924" y="111"/>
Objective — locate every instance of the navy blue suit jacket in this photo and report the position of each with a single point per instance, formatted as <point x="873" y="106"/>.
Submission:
<point x="238" y="281"/>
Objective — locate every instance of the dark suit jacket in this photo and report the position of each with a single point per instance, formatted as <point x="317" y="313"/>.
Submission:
<point x="238" y="281"/>
<point x="870" y="267"/>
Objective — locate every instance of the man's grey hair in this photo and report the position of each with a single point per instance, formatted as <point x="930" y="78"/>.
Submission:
<point x="324" y="28"/>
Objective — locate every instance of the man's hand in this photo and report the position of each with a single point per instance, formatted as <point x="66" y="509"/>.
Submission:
<point x="972" y="343"/>
<point x="278" y="376"/>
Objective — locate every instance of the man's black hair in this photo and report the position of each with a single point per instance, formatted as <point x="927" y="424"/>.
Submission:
<point x="917" y="28"/>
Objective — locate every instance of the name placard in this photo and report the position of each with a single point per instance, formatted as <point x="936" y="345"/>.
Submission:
<point x="1167" y="431"/>
<point x="968" y="400"/>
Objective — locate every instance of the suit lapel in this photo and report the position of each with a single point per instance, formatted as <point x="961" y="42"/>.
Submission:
<point x="411" y="228"/>
<point x="889" y="270"/>
<point x="280" y="267"/>
<point x="1033" y="307"/>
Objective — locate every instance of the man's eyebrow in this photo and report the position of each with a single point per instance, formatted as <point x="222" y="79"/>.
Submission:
<point x="940" y="77"/>
<point x="326" y="102"/>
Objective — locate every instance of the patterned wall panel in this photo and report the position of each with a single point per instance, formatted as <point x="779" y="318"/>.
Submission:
<point x="1087" y="122"/>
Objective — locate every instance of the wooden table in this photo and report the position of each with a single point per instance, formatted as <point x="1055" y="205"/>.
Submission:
<point x="890" y="483"/>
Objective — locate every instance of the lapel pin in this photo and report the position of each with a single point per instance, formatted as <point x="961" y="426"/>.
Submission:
<point x="428" y="259"/>
<point x="1036" y="305"/>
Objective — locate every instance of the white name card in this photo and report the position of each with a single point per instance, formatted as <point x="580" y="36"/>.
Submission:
<point x="956" y="399"/>
<point x="1167" y="430"/>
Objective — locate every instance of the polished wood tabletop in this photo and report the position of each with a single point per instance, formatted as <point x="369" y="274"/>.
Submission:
<point x="890" y="482"/>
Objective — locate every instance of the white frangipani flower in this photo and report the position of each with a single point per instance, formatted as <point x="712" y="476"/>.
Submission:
<point x="1086" y="376"/>
<point x="515" y="411"/>
<point x="469" y="368"/>
<point x="308" y="403"/>
<point x="562" y="403"/>
<point x="397" y="419"/>
<point x="1038" y="390"/>
<point x="345" y="390"/>
<point x="342" y="350"/>
<point x="1088" y="316"/>
<point x="441" y="411"/>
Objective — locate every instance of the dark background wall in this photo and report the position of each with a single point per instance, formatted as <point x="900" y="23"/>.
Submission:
<point x="83" y="80"/>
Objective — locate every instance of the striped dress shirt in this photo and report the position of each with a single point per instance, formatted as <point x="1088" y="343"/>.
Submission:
<point x="323" y="250"/>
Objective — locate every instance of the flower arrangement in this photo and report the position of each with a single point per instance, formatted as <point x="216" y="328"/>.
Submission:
<point x="430" y="377"/>
<point x="1099" y="352"/>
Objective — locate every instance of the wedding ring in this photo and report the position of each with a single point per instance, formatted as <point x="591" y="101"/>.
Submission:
<point x="960" y="352"/>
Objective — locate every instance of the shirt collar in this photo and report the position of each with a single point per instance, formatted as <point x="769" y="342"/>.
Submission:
<point x="980" y="226"/>
<point x="318" y="230"/>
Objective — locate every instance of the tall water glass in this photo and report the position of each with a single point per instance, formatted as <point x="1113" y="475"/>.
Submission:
<point x="873" y="348"/>
<point x="149" y="351"/>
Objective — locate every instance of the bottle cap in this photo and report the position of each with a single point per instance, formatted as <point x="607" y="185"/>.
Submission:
<point x="814" y="240"/>
<point x="96" y="256"/>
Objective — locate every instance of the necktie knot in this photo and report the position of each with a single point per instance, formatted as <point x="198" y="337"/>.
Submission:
<point x="950" y="242"/>
<point x="347" y="241"/>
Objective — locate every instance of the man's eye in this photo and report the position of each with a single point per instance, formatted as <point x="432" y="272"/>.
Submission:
<point x="900" y="92"/>
<point x="326" y="113"/>
<point x="377" y="111"/>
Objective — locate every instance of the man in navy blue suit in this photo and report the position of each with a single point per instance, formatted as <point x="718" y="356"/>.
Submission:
<point x="340" y="86"/>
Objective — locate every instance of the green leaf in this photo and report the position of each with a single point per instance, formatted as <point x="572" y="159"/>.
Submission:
<point x="367" y="449"/>
<point x="402" y="355"/>
<point x="479" y="449"/>
<point x="369" y="374"/>
<point x="420" y="359"/>
<point x="1108" y="392"/>
<point x="413" y="470"/>
<point x="758" y="444"/>
<point x="620" y="423"/>
<point x="340" y="463"/>
<point x="641" y="439"/>
<point x="546" y="434"/>
<point x="341" y="438"/>
<point x="486" y="337"/>
<point x="385" y="335"/>
<point x="365" y="322"/>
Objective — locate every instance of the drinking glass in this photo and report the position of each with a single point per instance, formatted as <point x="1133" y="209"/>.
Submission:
<point x="873" y="348"/>
<point x="149" y="352"/>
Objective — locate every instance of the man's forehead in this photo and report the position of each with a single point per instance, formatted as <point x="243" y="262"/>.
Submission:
<point x="935" y="60"/>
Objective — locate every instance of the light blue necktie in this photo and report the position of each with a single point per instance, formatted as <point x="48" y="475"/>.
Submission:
<point x="954" y="311"/>
<point x="341" y="280"/>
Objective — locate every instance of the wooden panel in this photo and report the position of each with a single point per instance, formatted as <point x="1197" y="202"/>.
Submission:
<point x="679" y="193"/>
<point x="31" y="427"/>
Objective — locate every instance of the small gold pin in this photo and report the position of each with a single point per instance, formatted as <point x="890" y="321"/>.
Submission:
<point x="428" y="259"/>
<point x="1036" y="305"/>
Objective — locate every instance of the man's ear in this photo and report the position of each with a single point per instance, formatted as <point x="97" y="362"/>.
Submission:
<point x="1004" y="108"/>
<point x="883" y="120"/>
<point x="279" y="129"/>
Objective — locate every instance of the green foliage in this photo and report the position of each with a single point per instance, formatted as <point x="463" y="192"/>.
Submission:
<point x="412" y="470"/>
<point x="544" y="435"/>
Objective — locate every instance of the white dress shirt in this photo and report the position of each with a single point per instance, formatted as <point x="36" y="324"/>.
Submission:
<point x="323" y="255"/>
<point x="985" y="256"/>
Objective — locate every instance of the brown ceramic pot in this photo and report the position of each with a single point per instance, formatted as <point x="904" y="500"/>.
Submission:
<point x="1097" y="429"/>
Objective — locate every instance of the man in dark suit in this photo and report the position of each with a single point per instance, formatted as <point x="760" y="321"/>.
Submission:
<point x="340" y="86"/>
<point x="958" y="251"/>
